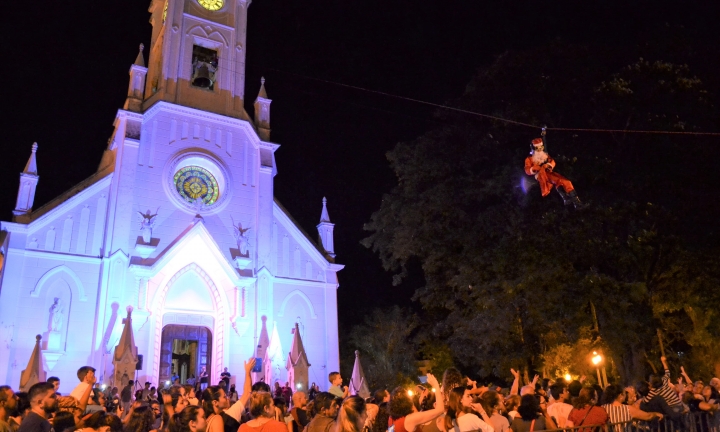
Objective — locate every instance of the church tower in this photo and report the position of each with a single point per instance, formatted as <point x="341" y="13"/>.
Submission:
<point x="197" y="55"/>
<point x="178" y="225"/>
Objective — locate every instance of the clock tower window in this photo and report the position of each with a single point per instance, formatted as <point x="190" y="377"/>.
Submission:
<point x="204" y="67"/>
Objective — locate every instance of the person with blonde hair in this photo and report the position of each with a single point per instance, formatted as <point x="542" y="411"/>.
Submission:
<point x="262" y="410"/>
<point x="352" y="415"/>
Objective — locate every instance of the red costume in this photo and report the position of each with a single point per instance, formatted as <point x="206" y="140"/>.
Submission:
<point x="540" y="165"/>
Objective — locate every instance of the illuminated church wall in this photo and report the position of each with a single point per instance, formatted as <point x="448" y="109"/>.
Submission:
<point x="134" y="234"/>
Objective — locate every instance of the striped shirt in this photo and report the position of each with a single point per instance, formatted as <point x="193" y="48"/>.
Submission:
<point x="618" y="414"/>
<point x="665" y="392"/>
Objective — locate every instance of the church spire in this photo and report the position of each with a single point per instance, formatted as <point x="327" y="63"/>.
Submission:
<point x="125" y="357"/>
<point x="31" y="165"/>
<point x="325" y="231"/>
<point x="324" y="216"/>
<point x="263" y="344"/>
<point x="34" y="372"/>
<point x="262" y="112"/>
<point x="127" y="340"/>
<point x="140" y="59"/>
<point x="358" y="383"/>
<point x="138" y="71"/>
<point x="28" y="182"/>
<point x="297" y="363"/>
<point x="273" y="358"/>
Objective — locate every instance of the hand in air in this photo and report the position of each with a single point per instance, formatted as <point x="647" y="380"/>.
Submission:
<point x="249" y="365"/>
<point x="433" y="381"/>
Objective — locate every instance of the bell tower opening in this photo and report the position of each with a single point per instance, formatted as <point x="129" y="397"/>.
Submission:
<point x="190" y="39"/>
<point x="204" y="67"/>
<point x="184" y="352"/>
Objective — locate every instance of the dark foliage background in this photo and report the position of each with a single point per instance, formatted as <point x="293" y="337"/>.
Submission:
<point x="538" y="61"/>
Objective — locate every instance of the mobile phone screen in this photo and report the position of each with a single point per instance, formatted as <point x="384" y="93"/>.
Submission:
<point x="423" y="379"/>
<point x="258" y="365"/>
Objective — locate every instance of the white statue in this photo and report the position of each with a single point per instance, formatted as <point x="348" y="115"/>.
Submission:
<point x="56" y="316"/>
<point x="147" y="222"/>
<point x="242" y="240"/>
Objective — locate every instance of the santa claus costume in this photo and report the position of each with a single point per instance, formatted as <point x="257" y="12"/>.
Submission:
<point x="540" y="165"/>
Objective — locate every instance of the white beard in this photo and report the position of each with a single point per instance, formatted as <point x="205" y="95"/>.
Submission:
<point x="539" y="157"/>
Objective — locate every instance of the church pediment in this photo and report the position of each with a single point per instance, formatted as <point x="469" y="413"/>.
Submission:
<point x="193" y="244"/>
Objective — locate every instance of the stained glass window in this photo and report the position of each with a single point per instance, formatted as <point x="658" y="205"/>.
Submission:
<point x="193" y="182"/>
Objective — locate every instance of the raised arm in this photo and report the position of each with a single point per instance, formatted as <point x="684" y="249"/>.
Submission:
<point x="534" y="381"/>
<point x="236" y="410"/>
<point x="417" y="418"/>
<point x="666" y="377"/>
<point x="90" y="381"/>
<point x="516" y="383"/>
<point x="685" y="375"/>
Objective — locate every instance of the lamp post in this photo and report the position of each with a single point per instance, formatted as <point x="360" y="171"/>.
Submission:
<point x="596" y="360"/>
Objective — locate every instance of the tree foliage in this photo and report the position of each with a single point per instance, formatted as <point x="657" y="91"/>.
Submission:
<point x="514" y="276"/>
<point x="386" y="344"/>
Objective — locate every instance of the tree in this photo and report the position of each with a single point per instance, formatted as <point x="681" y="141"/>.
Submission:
<point x="388" y="351"/>
<point x="513" y="276"/>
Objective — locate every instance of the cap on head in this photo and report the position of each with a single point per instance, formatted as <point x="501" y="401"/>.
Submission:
<point x="537" y="142"/>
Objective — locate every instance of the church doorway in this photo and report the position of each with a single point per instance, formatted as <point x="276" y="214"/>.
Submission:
<point x="184" y="351"/>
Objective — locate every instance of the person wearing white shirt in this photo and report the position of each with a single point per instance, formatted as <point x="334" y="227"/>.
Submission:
<point x="80" y="389"/>
<point x="560" y="409"/>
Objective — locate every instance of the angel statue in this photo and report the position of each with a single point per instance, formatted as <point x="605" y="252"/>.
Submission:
<point x="147" y="222"/>
<point x="242" y="240"/>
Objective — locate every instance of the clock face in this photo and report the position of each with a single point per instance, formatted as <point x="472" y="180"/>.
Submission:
<point x="212" y="5"/>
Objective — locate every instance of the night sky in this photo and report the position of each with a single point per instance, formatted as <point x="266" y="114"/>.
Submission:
<point x="66" y="67"/>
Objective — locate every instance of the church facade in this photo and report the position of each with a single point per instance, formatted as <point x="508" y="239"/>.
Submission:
<point x="179" y="223"/>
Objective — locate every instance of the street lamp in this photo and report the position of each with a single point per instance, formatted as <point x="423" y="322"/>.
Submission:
<point x="568" y="377"/>
<point x="596" y="360"/>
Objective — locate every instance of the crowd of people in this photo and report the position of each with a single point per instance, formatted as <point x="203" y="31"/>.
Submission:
<point x="457" y="404"/>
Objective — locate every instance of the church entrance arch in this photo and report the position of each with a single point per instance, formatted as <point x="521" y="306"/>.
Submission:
<point x="184" y="351"/>
<point x="189" y="298"/>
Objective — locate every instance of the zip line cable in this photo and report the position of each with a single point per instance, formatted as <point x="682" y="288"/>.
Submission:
<point x="501" y="119"/>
